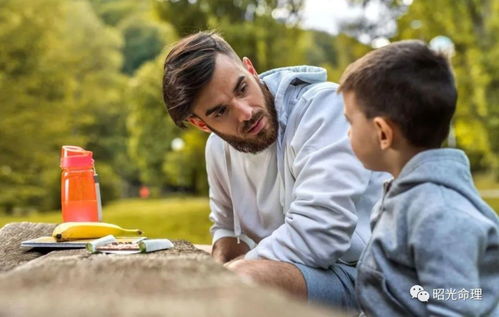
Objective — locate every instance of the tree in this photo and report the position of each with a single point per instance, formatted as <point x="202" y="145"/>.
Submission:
<point x="151" y="131"/>
<point x="266" y="31"/>
<point x="185" y="167"/>
<point x="144" y="40"/>
<point x="51" y="80"/>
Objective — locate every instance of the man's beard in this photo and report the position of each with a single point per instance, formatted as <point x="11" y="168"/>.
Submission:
<point x="265" y="137"/>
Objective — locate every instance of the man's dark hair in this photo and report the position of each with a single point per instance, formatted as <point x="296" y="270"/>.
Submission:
<point x="188" y="68"/>
<point x="409" y="84"/>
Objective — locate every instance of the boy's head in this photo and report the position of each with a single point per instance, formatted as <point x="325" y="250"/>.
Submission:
<point x="401" y="96"/>
<point x="206" y="84"/>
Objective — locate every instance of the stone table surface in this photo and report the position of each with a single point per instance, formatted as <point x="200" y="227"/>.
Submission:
<point x="183" y="281"/>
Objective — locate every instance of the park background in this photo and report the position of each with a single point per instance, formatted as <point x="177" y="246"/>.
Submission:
<point x="88" y="73"/>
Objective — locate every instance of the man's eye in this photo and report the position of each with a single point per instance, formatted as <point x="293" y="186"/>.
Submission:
<point x="242" y="90"/>
<point x="220" y="112"/>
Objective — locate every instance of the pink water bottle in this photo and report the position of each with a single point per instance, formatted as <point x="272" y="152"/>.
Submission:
<point x="80" y="194"/>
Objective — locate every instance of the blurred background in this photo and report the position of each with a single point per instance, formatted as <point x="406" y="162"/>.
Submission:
<point x="88" y="73"/>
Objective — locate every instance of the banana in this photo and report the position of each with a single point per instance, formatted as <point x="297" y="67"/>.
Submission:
<point x="89" y="230"/>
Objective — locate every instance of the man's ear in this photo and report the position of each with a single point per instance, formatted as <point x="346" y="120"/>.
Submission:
<point x="198" y="123"/>
<point x="249" y="66"/>
<point x="384" y="132"/>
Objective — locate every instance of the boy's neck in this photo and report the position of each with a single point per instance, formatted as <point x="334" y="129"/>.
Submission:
<point x="400" y="157"/>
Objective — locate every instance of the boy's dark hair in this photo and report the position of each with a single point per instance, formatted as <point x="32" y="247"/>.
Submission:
<point x="409" y="84"/>
<point x="188" y="68"/>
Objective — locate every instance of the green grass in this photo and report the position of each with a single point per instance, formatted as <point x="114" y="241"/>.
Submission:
<point x="172" y="218"/>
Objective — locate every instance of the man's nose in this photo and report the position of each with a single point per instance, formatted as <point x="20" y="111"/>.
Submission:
<point x="244" y="111"/>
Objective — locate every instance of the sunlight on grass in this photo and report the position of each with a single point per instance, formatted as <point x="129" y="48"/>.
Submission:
<point x="174" y="218"/>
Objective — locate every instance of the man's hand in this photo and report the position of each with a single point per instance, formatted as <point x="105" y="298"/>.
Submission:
<point x="229" y="265"/>
<point x="227" y="248"/>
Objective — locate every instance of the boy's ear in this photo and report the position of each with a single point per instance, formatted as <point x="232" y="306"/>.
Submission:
<point x="249" y="66"/>
<point x="198" y="123"/>
<point x="384" y="131"/>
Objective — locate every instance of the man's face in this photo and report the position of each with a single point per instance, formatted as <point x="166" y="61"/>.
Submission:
<point x="362" y="133"/>
<point x="237" y="107"/>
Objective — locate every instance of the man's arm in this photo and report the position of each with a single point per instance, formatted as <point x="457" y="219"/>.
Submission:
<point x="227" y="248"/>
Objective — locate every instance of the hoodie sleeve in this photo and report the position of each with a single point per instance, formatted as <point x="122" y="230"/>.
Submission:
<point x="448" y="243"/>
<point x="322" y="216"/>
<point x="221" y="212"/>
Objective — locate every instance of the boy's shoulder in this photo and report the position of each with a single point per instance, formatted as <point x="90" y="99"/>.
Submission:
<point x="436" y="185"/>
<point x="433" y="206"/>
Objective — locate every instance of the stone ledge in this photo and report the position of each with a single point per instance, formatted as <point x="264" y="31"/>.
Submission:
<point x="183" y="281"/>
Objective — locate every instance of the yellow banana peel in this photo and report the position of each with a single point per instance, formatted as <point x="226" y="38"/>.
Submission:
<point x="90" y="230"/>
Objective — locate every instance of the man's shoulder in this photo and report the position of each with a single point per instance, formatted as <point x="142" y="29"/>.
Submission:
<point x="320" y="101"/>
<point x="318" y="88"/>
<point x="430" y="204"/>
<point x="315" y="95"/>
<point x="214" y="144"/>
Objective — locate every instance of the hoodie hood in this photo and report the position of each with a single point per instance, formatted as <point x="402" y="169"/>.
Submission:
<point x="443" y="167"/>
<point x="279" y="81"/>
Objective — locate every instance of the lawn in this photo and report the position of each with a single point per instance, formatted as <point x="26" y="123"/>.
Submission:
<point x="172" y="218"/>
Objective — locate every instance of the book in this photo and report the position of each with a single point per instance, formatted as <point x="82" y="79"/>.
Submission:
<point x="52" y="243"/>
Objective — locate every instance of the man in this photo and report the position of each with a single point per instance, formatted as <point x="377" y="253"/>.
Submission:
<point x="289" y="201"/>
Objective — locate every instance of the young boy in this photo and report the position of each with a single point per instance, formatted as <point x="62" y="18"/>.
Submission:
<point x="434" y="249"/>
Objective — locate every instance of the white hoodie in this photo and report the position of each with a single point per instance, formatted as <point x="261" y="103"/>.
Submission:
<point x="305" y="199"/>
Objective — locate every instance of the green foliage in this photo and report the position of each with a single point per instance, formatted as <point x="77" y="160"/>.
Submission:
<point x="322" y="49"/>
<point x="51" y="80"/>
<point x="247" y="25"/>
<point x="113" y="12"/>
<point x="88" y="73"/>
<point x="144" y="36"/>
<point x="266" y="42"/>
<point x="186" y="167"/>
<point x="151" y="131"/>
<point x="349" y="49"/>
<point x="109" y="182"/>
<point x="184" y="16"/>
<point x="144" y="40"/>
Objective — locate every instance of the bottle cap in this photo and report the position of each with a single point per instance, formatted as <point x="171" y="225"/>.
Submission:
<point x="75" y="156"/>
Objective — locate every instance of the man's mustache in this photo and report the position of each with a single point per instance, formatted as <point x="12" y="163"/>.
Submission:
<point x="249" y="124"/>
